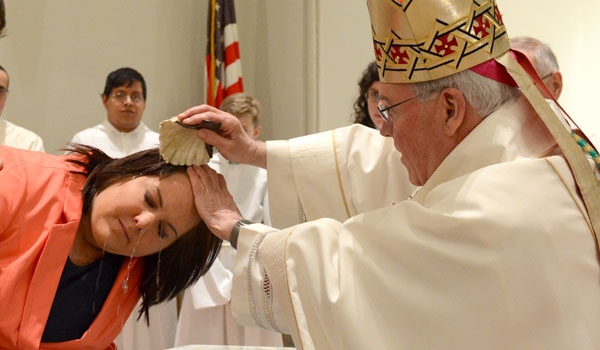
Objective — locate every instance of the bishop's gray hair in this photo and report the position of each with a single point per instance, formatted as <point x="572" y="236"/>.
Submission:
<point x="483" y="94"/>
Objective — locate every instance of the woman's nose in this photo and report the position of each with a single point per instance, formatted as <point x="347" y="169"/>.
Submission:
<point x="145" y="221"/>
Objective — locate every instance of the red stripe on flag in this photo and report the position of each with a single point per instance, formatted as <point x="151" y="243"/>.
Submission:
<point x="234" y="88"/>
<point x="222" y="27"/>
<point x="221" y="93"/>
<point x="232" y="53"/>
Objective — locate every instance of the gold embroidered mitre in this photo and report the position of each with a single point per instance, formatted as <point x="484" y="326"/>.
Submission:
<point x="421" y="40"/>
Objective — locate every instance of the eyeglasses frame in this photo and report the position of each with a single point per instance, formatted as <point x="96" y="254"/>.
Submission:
<point x="384" y="110"/>
<point x="121" y="97"/>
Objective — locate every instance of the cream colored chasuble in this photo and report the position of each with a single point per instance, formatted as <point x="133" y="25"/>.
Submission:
<point x="494" y="252"/>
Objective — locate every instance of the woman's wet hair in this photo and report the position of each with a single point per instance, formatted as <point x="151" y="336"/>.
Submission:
<point x="176" y="267"/>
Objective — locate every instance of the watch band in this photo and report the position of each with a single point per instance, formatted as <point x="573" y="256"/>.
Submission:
<point x="235" y="231"/>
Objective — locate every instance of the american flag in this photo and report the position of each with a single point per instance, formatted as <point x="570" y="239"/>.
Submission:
<point x="223" y="63"/>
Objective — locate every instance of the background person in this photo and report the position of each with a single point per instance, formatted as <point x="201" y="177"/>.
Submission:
<point x="496" y="232"/>
<point x="365" y="106"/>
<point x="208" y="301"/>
<point x="544" y="61"/>
<point x="83" y="236"/>
<point x="123" y="132"/>
<point x="11" y="134"/>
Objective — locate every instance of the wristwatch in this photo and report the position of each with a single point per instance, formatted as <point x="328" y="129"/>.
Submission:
<point x="235" y="231"/>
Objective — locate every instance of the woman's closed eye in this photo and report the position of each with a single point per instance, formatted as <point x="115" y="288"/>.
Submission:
<point x="161" y="231"/>
<point x="152" y="203"/>
<point x="149" y="200"/>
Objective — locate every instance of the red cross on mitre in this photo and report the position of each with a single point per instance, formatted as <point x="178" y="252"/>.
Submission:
<point x="481" y="26"/>
<point x="377" y="49"/>
<point x="398" y="54"/>
<point x="446" y="44"/>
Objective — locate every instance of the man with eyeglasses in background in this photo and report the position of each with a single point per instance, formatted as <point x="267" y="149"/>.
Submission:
<point x="123" y="132"/>
<point x="11" y="134"/>
<point x="544" y="61"/>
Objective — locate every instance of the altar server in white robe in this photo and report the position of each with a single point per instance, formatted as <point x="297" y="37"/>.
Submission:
<point x="121" y="134"/>
<point x="205" y="315"/>
<point x="11" y="134"/>
<point x="497" y="247"/>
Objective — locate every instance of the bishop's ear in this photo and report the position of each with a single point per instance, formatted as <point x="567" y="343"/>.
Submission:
<point x="455" y="106"/>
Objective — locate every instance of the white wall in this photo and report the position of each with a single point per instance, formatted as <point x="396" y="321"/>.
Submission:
<point x="275" y="51"/>
<point x="345" y="50"/>
<point x="301" y="59"/>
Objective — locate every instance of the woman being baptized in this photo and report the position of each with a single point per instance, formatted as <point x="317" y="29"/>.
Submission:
<point x="83" y="236"/>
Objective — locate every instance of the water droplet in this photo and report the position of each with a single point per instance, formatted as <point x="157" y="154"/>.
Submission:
<point x="158" y="268"/>
<point x="126" y="283"/>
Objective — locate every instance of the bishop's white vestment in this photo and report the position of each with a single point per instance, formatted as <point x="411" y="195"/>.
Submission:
<point x="494" y="251"/>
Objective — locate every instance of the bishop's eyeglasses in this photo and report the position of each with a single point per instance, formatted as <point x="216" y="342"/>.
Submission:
<point x="384" y="111"/>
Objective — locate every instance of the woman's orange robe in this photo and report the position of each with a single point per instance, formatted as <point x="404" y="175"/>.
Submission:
<point x="40" y="210"/>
